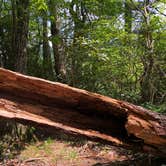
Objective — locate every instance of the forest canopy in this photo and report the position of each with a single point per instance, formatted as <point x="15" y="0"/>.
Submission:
<point x="112" y="47"/>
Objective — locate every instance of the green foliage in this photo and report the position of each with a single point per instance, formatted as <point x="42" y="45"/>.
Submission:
<point x="39" y="5"/>
<point x="101" y="55"/>
<point x="156" y="108"/>
<point x="107" y="63"/>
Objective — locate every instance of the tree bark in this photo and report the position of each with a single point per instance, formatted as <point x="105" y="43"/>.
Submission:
<point x="58" y="44"/>
<point x="22" y="12"/>
<point x="5" y="48"/>
<point x="37" y="101"/>
<point x="14" y="33"/>
<point x="47" y="63"/>
<point x="77" y="13"/>
<point x="147" y="82"/>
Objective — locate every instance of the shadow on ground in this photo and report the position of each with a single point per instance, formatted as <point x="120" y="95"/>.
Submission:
<point x="28" y="146"/>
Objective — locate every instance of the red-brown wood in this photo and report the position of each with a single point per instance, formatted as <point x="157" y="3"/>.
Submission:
<point x="33" y="100"/>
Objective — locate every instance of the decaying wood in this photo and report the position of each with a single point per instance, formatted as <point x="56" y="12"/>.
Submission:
<point x="32" y="100"/>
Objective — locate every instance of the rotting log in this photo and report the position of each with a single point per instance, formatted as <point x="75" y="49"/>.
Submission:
<point x="32" y="100"/>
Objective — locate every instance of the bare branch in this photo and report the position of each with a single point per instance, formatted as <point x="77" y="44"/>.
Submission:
<point x="160" y="12"/>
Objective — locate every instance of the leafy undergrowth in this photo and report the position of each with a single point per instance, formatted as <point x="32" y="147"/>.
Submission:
<point x="156" y="108"/>
<point x="65" y="150"/>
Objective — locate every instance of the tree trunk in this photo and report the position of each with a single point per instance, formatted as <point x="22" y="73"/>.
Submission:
<point x="147" y="85"/>
<point x="47" y="63"/>
<point x="78" y="16"/>
<point x="21" y="35"/>
<point x="5" y="48"/>
<point x="1" y="53"/>
<point x="58" y="44"/>
<point x="58" y="106"/>
<point x="14" y="33"/>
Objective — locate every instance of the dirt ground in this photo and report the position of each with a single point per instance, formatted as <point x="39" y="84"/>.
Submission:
<point x="63" y="149"/>
<point x="64" y="152"/>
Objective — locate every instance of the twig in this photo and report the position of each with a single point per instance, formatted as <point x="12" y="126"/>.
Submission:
<point x="34" y="159"/>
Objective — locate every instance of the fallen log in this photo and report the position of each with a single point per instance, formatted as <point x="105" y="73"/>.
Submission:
<point x="37" y="101"/>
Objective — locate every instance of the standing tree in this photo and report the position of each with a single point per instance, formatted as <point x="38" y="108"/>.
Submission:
<point x="20" y="26"/>
<point x="57" y="42"/>
<point x="151" y="65"/>
<point x="47" y="62"/>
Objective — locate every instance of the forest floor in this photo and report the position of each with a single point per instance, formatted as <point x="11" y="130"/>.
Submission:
<point x="65" y="150"/>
